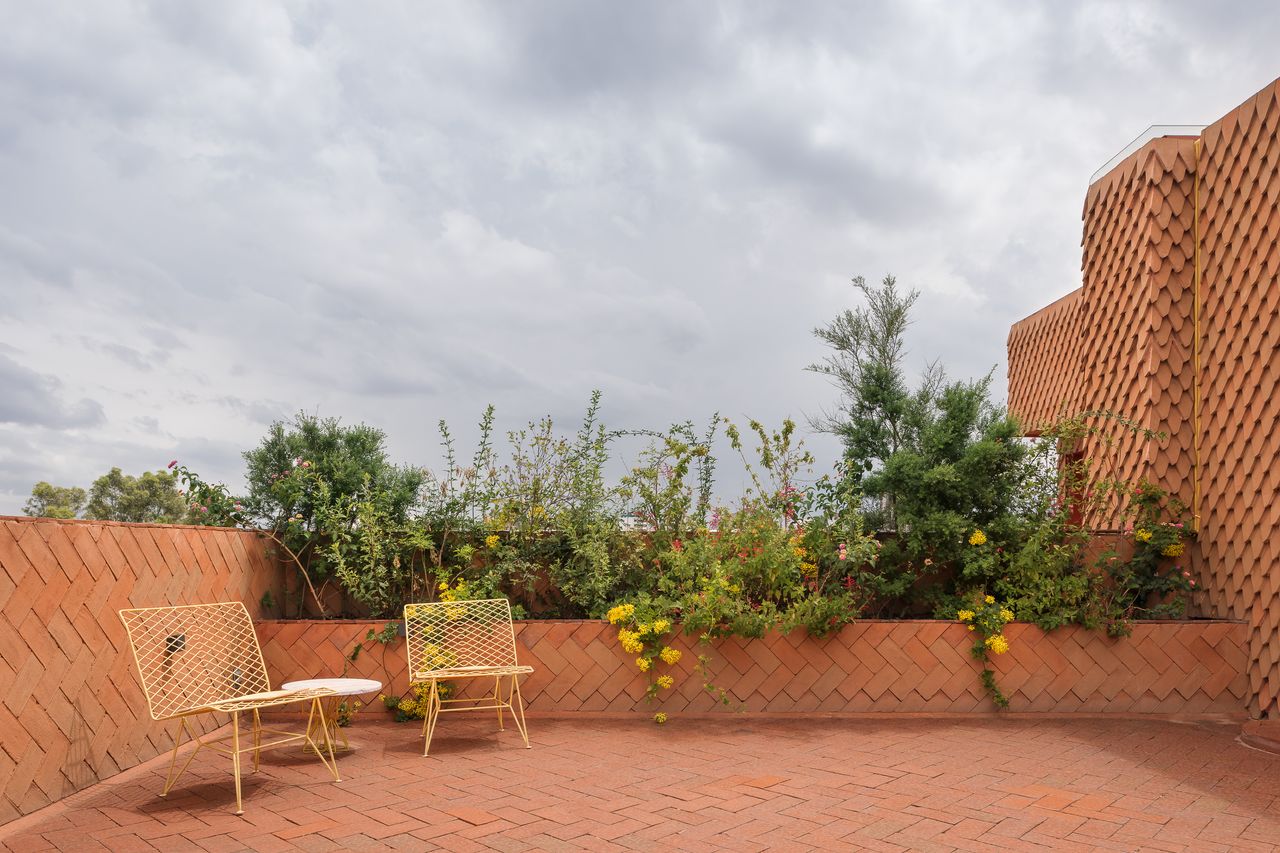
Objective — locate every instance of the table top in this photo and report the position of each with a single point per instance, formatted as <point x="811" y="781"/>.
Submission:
<point x="340" y="686"/>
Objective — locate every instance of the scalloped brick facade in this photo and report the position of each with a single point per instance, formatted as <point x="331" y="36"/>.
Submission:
<point x="1125" y="343"/>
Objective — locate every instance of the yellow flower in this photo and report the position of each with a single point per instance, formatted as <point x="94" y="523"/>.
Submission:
<point x="1174" y="550"/>
<point x="670" y="655"/>
<point x="970" y="627"/>
<point x="659" y="718"/>
<point x="661" y="626"/>
<point x="665" y="681"/>
<point x="644" y="628"/>
<point x="1142" y="535"/>
<point x="998" y="644"/>
<point x="492" y="540"/>
<point x="1006" y="614"/>
<point x="990" y="599"/>
<point x="621" y="613"/>
<point x="978" y="538"/>
<point x="643" y="663"/>
<point x="964" y="615"/>
<point x="630" y="642"/>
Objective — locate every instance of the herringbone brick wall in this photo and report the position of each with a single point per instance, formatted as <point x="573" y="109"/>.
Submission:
<point x="71" y="709"/>
<point x="1164" y="668"/>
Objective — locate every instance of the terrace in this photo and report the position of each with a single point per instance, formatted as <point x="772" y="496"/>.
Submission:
<point x="1110" y="583"/>
<point x="735" y="784"/>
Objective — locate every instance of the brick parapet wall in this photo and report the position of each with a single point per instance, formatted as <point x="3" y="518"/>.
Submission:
<point x="1187" y="668"/>
<point x="71" y="710"/>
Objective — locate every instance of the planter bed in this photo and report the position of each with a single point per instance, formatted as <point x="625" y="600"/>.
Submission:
<point x="1182" y="668"/>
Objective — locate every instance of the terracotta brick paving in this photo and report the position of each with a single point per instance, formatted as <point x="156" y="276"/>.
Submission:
<point x="729" y="783"/>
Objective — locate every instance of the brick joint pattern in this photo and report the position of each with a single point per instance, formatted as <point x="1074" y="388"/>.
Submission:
<point x="1166" y="667"/>
<point x="71" y="707"/>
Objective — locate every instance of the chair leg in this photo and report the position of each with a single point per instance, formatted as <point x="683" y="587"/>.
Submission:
<point x="172" y="777"/>
<point x="433" y="714"/>
<point x="517" y="710"/>
<point x="235" y="757"/>
<point x="497" y="700"/>
<point x="257" y="739"/>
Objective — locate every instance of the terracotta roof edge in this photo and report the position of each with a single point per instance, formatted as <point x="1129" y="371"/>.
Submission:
<point x="1042" y="313"/>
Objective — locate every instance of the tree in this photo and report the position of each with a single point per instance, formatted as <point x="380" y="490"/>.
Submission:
<point x="50" y="501"/>
<point x="932" y="464"/>
<point x="150" y="497"/>
<point x="866" y="366"/>
<point x="349" y="460"/>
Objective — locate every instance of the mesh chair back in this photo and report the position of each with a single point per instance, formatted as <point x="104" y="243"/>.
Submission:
<point x="459" y="635"/>
<point x="193" y="655"/>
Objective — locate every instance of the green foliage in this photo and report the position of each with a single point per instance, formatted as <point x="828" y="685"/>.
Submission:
<point x="865" y="364"/>
<point x="50" y="501"/>
<point x="348" y="459"/>
<point x="150" y="497"/>
<point x="986" y="618"/>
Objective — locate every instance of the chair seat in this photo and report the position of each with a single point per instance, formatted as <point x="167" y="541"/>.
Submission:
<point x="472" y="672"/>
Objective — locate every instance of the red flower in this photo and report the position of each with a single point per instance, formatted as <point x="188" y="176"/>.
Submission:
<point x="173" y="463"/>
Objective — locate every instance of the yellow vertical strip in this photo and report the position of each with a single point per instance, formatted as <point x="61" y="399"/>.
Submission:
<point x="1195" y="356"/>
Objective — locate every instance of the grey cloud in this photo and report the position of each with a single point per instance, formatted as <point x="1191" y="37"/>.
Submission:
<point x="31" y="399"/>
<point x="257" y="411"/>
<point x="400" y="212"/>
<point x="776" y="143"/>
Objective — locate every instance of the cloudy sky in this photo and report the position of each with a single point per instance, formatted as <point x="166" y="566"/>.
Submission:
<point x="213" y="215"/>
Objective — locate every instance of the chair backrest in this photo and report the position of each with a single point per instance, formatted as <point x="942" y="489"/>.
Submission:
<point x="195" y="654"/>
<point x="455" y="634"/>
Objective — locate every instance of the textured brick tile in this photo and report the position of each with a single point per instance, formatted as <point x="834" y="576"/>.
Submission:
<point x="606" y="784"/>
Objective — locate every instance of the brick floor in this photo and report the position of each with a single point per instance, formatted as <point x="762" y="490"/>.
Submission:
<point x="736" y="783"/>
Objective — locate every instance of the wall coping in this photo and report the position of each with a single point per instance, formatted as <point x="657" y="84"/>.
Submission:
<point x="365" y="621"/>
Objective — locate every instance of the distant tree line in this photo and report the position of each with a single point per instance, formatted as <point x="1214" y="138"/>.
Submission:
<point x="150" y="497"/>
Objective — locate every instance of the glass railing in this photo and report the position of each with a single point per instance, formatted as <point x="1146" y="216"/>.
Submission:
<point x="1153" y="132"/>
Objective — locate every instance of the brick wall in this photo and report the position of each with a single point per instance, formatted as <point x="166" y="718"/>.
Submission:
<point x="924" y="666"/>
<point x="71" y="709"/>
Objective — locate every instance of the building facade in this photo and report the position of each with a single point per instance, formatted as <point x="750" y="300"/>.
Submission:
<point x="1176" y="327"/>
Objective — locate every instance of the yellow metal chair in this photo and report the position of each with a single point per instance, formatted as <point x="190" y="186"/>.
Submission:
<point x="452" y="640"/>
<point x="205" y="658"/>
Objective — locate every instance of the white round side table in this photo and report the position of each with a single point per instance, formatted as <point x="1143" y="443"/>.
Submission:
<point x="341" y="687"/>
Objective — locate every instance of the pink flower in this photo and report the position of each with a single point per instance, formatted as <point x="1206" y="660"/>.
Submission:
<point x="204" y="509"/>
<point x="1192" y="582"/>
<point x="306" y="464"/>
<point x="173" y="464"/>
<point x="1178" y="525"/>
